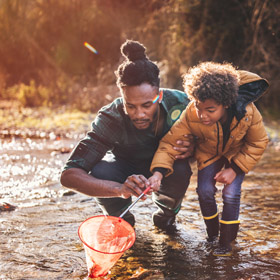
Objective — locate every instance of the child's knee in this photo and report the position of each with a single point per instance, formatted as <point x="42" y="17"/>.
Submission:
<point x="206" y="191"/>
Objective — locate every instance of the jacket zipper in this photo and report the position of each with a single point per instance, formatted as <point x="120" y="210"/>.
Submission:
<point x="231" y="131"/>
<point x="218" y="134"/>
<point x="218" y="142"/>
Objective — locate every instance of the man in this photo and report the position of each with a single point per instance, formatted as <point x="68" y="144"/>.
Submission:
<point x="112" y="162"/>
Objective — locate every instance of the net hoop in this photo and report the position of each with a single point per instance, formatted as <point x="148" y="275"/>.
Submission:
<point x="114" y="218"/>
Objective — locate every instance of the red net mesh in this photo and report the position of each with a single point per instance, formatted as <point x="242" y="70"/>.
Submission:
<point x="105" y="239"/>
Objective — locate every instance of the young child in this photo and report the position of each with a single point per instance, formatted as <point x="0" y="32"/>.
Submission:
<point x="231" y="138"/>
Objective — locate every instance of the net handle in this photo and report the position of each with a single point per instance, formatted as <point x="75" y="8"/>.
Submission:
<point x="139" y="197"/>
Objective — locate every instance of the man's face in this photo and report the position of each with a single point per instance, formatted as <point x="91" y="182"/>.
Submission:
<point x="138" y="104"/>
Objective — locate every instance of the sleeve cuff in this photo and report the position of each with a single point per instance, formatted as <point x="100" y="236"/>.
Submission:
<point x="162" y="170"/>
<point x="236" y="168"/>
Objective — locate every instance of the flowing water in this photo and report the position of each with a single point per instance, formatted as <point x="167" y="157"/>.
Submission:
<point x="39" y="237"/>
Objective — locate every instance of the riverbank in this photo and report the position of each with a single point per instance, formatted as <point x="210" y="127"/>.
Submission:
<point x="42" y="122"/>
<point x="66" y="122"/>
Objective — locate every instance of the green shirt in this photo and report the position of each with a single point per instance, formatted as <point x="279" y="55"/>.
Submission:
<point x="112" y="131"/>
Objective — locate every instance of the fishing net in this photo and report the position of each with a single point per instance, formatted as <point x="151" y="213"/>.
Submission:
<point x="105" y="239"/>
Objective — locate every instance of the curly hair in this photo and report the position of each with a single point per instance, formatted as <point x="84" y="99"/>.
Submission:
<point x="210" y="80"/>
<point x="137" y="68"/>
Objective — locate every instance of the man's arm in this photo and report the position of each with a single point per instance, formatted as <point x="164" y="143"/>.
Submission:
<point x="79" y="180"/>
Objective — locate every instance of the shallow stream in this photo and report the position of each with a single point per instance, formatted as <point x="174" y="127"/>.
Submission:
<point x="39" y="238"/>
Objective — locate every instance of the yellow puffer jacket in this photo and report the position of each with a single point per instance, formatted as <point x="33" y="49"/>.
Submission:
<point x="247" y="140"/>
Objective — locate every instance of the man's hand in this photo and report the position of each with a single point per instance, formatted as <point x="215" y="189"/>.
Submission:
<point x="225" y="176"/>
<point x="134" y="185"/>
<point x="186" y="147"/>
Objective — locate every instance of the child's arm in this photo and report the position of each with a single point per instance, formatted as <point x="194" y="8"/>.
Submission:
<point x="255" y="142"/>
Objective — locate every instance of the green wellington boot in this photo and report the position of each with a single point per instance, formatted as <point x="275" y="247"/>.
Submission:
<point x="164" y="217"/>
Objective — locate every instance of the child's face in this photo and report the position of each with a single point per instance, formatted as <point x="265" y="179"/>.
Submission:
<point x="210" y="112"/>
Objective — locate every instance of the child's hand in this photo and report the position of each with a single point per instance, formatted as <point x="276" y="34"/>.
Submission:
<point x="225" y="176"/>
<point x="155" y="181"/>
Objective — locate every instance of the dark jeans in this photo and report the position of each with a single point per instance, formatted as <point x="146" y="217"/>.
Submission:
<point x="206" y="190"/>
<point x="116" y="169"/>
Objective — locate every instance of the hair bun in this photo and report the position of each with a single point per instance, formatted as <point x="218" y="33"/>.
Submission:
<point x="133" y="50"/>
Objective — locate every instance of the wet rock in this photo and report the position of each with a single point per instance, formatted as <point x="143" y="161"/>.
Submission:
<point x="145" y="274"/>
<point x="7" y="207"/>
<point x="68" y="193"/>
<point x="65" y="150"/>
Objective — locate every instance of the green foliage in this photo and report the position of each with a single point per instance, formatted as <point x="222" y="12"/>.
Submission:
<point x="29" y="95"/>
<point x="31" y="122"/>
<point x="42" y="41"/>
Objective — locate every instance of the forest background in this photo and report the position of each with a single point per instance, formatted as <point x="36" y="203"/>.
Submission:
<point x="44" y="63"/>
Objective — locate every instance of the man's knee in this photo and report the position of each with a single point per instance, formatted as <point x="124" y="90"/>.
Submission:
<point x="109" y="171"/>
<point x="100" y="171"/>
<point x="180" y="178"/>
<point x="182" y="170"/>
<point x="115" y="207"/>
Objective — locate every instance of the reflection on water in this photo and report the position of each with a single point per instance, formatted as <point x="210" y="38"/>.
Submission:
<point x="39" y="239"/>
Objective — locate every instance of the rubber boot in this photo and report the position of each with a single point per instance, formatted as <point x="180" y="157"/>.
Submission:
<point x="212" y="228"/>
<point x="228" y="233"/>
<point x="164" y="217"/>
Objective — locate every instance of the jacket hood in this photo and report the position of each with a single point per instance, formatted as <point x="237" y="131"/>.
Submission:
<point x="248" y="77"/>
<point x="251" y="88"/>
